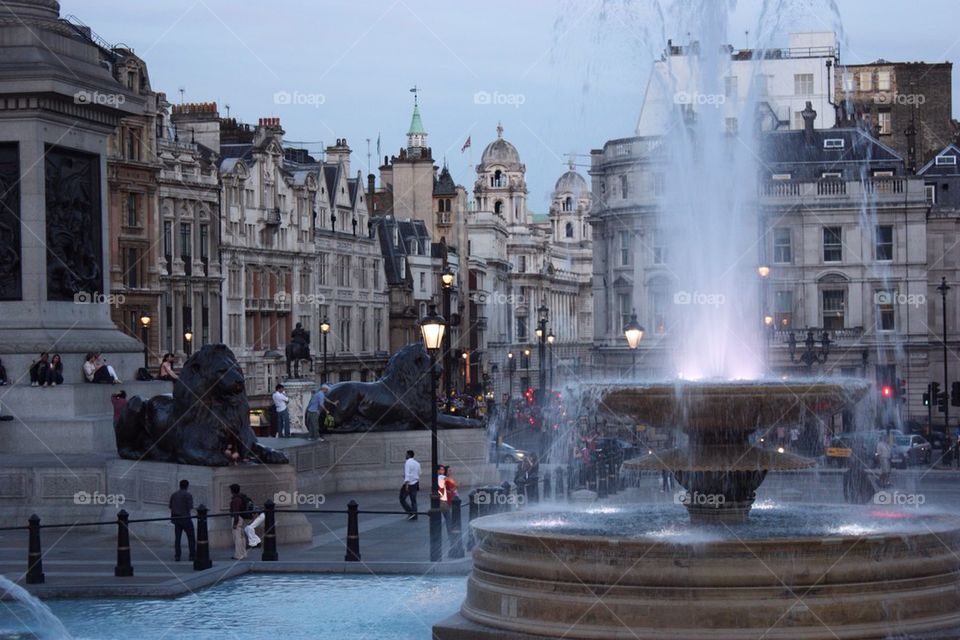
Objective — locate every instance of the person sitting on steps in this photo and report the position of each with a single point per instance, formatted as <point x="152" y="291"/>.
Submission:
<point x="166" y="368"/>
<point x="55" y="371"/>
<point x="96" y="369"/>
<point x="38" y="371"/>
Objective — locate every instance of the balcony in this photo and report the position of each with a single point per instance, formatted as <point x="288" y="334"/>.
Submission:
<point x="847" y="335"/>
<point x="890" y="190"/>
<point x="272" y="216"/>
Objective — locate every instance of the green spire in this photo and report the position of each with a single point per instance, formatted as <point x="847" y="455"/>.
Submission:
<point x="416" y="124"/>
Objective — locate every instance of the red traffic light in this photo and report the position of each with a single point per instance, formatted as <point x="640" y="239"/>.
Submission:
<point x="886" y="391"/>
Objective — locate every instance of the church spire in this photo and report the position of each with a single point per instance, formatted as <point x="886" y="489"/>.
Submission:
<point x="416" y="135"/>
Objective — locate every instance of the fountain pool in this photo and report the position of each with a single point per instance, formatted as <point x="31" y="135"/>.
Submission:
<point x="291" y="607"/>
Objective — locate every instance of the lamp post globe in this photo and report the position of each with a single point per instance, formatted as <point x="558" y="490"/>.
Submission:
<point x="145" y="324"/>
<point x="447" y="278"/>
<point x="633" y="332"/>
<point x="324" y="330"/>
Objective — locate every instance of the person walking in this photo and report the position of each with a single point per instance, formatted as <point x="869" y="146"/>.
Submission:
<point x="280" y="402"/>
<point x="238" y="505"/>
<point x="119" y="401"/>
<point x="411" y="485"/>
<point x="181" y="504"/>
<point x="883" y="455"/>
<point x="315" y="409"/>
<point x="448" y="491"/>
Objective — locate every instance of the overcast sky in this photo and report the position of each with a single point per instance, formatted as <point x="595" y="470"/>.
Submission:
<point x="561" y="75"/>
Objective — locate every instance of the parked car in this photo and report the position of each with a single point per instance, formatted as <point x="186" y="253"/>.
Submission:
<point x="910" y="449"/>
<point x="860" y="443"/>
<point x="507" y="454"/>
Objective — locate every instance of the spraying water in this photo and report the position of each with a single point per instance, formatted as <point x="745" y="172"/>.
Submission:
<point x="28" y="614"/>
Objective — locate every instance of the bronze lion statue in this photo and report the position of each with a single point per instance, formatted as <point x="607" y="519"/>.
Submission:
<point x="207" y="413"/>
<point x="401" y="399"/>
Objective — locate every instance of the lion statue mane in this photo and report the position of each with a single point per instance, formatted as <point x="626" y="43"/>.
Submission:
<point x="207" y="412"/>
<point x="401" y="399"/>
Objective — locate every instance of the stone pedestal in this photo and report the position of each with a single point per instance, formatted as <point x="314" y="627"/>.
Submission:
<point x="299" y="392"/>
<point x="146" y="489"/>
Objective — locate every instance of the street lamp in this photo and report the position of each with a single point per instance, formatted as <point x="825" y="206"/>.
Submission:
<point x="634" y="334"/>
<point x="188" y="341"/>
<point x="943" y="288"/>
<point x="324" y="330"/>
<point x="550" y="340"/>
<point x="763" y="271"/>
<point x="541" y="332"/>
<point x="145" y="324"/>
<point x="770" y="328"/>
<point x="466" y="370"/>
<point x="432" y="328"/>
<point x="447" y="278"/>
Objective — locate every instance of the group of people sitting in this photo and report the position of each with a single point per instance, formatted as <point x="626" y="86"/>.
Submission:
<point x="47" y="370"/>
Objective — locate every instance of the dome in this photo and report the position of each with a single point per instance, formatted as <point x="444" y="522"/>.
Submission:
<point x="500" y="151"/>
<point x="571" y="182"/>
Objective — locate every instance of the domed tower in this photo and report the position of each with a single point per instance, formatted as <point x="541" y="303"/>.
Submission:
<point x="501" y="184"/>
<point x="570" y="207"/>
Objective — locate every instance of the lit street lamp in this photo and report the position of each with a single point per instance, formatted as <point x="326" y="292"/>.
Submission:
<point x="634" y="334"/>
<point x="324" y="330"/>
<point x="432" y="328"/>
<point x="188" y="341"/>
<point x="550" y="340"/>
<point x="145" y="324"/>
<point x="768" y="324"/>
<point x="541" y="333"/>
<point x="447" y="278"/>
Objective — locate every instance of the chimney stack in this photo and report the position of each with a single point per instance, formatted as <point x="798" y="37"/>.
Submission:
<point x="809" y="115"/>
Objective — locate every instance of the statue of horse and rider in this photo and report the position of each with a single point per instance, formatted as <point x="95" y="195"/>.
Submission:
<point x="298" y="349"/>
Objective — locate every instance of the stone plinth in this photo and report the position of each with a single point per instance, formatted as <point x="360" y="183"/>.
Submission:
<point x="146" y="487"/>
<point x="299" y="392"/>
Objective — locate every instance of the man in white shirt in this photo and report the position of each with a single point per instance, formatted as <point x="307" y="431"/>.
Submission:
<point x="411" y="484"/>
<point x="280" y="401"/>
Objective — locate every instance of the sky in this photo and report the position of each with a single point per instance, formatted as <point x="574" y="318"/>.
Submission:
<point x="562" y="76"/>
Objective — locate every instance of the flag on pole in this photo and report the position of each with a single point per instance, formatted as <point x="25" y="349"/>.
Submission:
<point x="378" y="146"/>
<point x="466" y="145"/>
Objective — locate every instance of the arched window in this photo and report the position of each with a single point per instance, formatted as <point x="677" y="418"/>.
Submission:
<point x="498" y="179"/>
<point x="569" y="230"/>
<point x="498" y="207"/>
<point x="568" y="204"/>
<point x="447" y="200"/>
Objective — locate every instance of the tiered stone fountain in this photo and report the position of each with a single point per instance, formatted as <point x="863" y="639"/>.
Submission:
<point x="812" y="572"/>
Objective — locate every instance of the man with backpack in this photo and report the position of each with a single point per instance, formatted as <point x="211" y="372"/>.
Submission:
<point x="241" y="509"/>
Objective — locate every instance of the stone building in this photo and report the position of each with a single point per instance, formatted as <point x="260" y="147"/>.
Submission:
<point x="908" y="104"/>
<point x="190" y="270"/>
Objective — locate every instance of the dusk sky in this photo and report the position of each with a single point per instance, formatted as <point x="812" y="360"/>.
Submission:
<point x="567" y="75"/>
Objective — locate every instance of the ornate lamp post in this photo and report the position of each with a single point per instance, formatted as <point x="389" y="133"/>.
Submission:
<point x="432" y="328"/>
<point x="769" y="329"/>
<point x="541" y="333"/>
<point x="550" y="340"/>
<point x="943" y="288"/>
<point x="634" y="334"/>
<point x="324" y="330"/>
<point x="811" y="354"/>
<point x="447" y="278"/>
<point x="188" y="341"/>
<point x="145" y="329"/>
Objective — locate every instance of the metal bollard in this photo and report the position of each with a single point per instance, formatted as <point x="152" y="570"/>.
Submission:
<point x="353" y="532"/>
<point x="269" y="532"/>
<point x="456" y="531"/>
<point x="547" y="489"/>
<point x="472" y="514"/>
<point x="34" y="556"/>
<point x="123" y="569"/>
<point x="201" y="560"/>
<point x="601" y="479"/>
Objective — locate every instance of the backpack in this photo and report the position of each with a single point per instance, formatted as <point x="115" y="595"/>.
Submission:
<point x="249" y="508"/>
<point x="143" y="374"/>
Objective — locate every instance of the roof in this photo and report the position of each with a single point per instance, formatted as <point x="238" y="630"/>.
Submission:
<point x="444" y="184"/>
<point x="571" y="182"/>
<point x="244" y="151"/>
<point x="416" y="124"/>
<point x="500" y="151"/>
<point x="330" y="175"/>
<point x="933" y="169"/>
<point x="395" y="253"/>
<point x="790" y="149"/>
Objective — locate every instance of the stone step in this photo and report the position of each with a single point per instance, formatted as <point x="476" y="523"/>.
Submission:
<point x="71" y="400"/>
<point x="65" y="435"/>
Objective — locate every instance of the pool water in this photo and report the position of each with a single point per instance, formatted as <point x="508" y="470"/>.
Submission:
<point x="278" y="607"/>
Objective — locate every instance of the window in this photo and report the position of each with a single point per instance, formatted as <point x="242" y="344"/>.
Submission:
<point x="832" y="244"/>
<point x="376" y="274"/>
<point x="802" y="84"/>
<point x="930" y="189"/>
<point x="659" y="304"/>
<point x="343" y="271"/>
<point x="783" y="309"/>
<point x="364" y="345"/>
<point x="782" y="246"/>
<point x="498" y="207"/>
<point x="345" y="329"/>
<point x="204" y="241"/>
<point x="830" y="175"/>
<point x="884" y="123"/>
<point x="883" y="81"/>
<point x="624" y="248"/>
<point x="234" y="329"/>
<point x="521" y="328"/>
<point x="833" y="309"/>
<point x="362" y="270"/>
<point x="132" y="210"/>
<point x="377" y="328"/>
<point x="886" y="318"/>
<point x="866" y="80"/>
<point x="946" y="161"/>
<point x="132" y="144"/>
<point x="659" y="248"/>
<point x="568" y="204"/>
<point x="322" y="268"/>
<point x="167" y="238"/>
<point x="833" y="143"/>
<point x="568" y="230"/>
<point x="186" y="241"/>
<point x="780" y="177"/>
<point x="623" y="186"/>
<point x="884" y="242"/>
<point x="423" y="281"/>
<point x="625" y="308"/>
<point x="730" y="86"/>
<point x="131" y="273"/>
<point x="523" y="264"/>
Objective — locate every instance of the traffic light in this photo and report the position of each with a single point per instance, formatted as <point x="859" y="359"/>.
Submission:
<point x="942" y="401"/>
<point x="926" y="398"/>
<point x="886" y="392"/>
<point x="902" y="389"/>
<point x="934" y="392"/>
<point x="955" y="394"/>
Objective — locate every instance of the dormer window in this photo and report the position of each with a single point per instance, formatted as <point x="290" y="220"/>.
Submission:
<point x="946" y="161"/>
<point x="833" y="143"/>
<point x="780" y="176"/>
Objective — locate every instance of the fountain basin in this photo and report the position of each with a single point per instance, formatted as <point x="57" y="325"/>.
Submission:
<point x="852" y="573"/>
